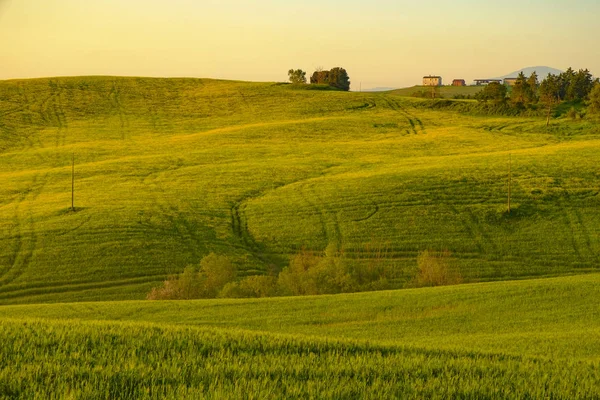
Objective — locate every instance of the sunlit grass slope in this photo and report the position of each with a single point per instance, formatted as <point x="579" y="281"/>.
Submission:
<point x="520" y="339"/>
<point x="446" y="92"/>
<point x="168" y="170"/>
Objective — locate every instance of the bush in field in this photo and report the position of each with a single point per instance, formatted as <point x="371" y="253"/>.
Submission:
<point x="435" y="269"/>
<point x="214" y="273"/>
<point x="296" y="279"/>
<point x="251" y="286"/>
<point x="376" y="274"/>
<point x="310" y="273"/>
<point x="297" y="76"/>
<point x="494" y="92"/>
<point x="187" y="285"/>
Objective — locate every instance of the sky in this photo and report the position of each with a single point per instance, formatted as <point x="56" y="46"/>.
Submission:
<point x="381" y="43"/>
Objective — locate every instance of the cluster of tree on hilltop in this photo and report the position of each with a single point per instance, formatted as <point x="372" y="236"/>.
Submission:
<point x="336" y="78"/>
<point x="570" y="86"/>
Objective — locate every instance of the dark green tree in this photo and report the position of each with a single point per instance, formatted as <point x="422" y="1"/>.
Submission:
<point x="532" y="88"/>
<point x="494" y="92"/>
<point x="338" y="77"/>
<point x="297" y="76"/>
<point x="520" y="91"/>
<point x="551" y="89"/>
<point x="564" y="82"/>
<point x="580" y="85"/>
<point x="320" y="77"/>
<point x="594" y="103"/>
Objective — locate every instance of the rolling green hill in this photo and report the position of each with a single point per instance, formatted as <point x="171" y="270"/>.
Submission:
<point x="168" y="170"/>
<point x="445" y="92"/>
<point x="523" y="339"/>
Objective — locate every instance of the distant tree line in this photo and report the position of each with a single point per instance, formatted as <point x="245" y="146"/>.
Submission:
<point x="576" y="87"/>
<point x="336" y="78"/>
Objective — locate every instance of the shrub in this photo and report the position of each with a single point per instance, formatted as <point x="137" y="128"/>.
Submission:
<point x="251" y="286"/>
<point x="435" y="269"/>
<point x="310" y="273"/>
<point x="187" y="285"/>
<point x="215" y="272"/>
<point x="296" y="279"/>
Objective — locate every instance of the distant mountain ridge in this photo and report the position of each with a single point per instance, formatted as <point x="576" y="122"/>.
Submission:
<point x="541" y="71"/>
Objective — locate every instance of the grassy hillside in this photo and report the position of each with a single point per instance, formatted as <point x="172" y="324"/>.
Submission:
<point x="523" y="339"/>
<point x="445" y="92"/>
<point x="168" y="170"/>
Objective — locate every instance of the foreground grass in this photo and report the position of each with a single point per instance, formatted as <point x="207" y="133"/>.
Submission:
<point x="126" y="361"/>
<point x="168" y="170"/>
<point x="556" y="318"/>
<point x="525" y="339"/>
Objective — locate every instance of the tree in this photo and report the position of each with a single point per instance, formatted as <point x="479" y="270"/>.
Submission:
<point x="594" y="103"/>
<point x="532" y="88"/>
<point x="564" y="81"/>
<point x="216" y="271"/>
<point x="338" y="77"/>
<point x="297" y="76"/>
<point x="520" y="90"/>
<point x="320" y="78"/>
<point x="580" y="85"/>
<point x="550" y="92"/>
<point x="436" y="269"/>
<point x="494" y="92"/>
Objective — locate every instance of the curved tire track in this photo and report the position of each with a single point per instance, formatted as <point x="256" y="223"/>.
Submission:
<point x="26" y="236"/>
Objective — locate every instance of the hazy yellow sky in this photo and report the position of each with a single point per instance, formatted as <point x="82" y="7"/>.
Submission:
<point x="380" y="42"/>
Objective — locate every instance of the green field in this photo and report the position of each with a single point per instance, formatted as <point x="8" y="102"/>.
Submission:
<point x="445" y="92"/>
<point x="522" y="339"/>
<point x="169" y="170"/>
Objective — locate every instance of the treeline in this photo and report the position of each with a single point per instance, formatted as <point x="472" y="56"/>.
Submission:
<point x="308" y="273"/>
<point x="336" y="78"/>
<point x="576" y="87"/>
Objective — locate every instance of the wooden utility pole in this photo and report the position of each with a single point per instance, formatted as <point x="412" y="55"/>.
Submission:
<point x="509" y="179"/>
<point x="73" y="182"/>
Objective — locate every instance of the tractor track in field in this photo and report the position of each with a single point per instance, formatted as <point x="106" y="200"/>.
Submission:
<point x="329" y="219"/>
<point x="587" y="236"/>
<point x="239" y="227"/>
<point x="574" y="221"/>
<point x="72" y="287"/>
<point x="176" y="219"/>
<point x="316" y="210"/>
<point x="412" y="120"/>
<point x="26" y="236"/>
<point x="75" y="228"/>
<point x="369" y="215"/>
<point x="474" y="231"/>
<point x="239" y="224"/>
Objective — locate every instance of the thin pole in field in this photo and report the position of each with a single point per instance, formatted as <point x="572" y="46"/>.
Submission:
<point x="509" y="179"/>
<point x="73" y="182"/>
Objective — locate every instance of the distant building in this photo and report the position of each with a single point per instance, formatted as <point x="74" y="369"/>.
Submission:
<point x="459" y="82"/>
<point x="432" y="80"/>
<point x="510" y="81"/>
<point x="480" y="82"/>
